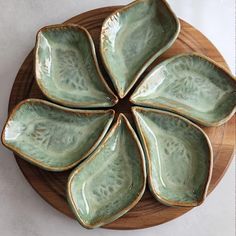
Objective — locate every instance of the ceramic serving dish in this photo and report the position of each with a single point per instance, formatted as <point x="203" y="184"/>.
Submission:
<point x="66" y="68"/>
<point x="111" y="181"/>
<point x="133" y="37"/>
<point x="53" y="137"/>
<point x="191" y="85"/>
<point x="179" y="157"/>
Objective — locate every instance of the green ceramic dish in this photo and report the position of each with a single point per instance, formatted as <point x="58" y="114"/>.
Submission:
<point x="53" y="137"/>
<point x="111" y="181"/>
<point x="179" y="157"/>
<point x="66" y="68"/>
<point x="133" y="37"/>
<point x="191" y="85"/>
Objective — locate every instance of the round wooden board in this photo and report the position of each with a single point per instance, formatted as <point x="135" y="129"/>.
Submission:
<point x="148" y="212"/>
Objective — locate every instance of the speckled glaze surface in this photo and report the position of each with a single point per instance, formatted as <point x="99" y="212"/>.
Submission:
<point x="66" y="68"/>
<point x="101" y="195"/>
<point x="191" y="85"/>
<point x="53" y="137"/>
<point x="133" y="37"/>
<point x="179" y="157"/>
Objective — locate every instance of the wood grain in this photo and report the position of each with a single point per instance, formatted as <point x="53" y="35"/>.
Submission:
<point x="148" y="212"/>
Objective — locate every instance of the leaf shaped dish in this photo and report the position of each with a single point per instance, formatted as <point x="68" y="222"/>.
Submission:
<point x="66" y="68"/>
<point x="191" y="85"/>
<point x="111" y="181"/>
<point x="53" y="137"/>
<point x="179" y="157"/>
<point x="133" y="37"/>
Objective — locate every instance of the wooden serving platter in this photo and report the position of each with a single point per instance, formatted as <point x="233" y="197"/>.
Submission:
<point x="148" y="212"/>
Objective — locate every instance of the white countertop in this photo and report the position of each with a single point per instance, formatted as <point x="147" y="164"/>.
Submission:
<point x="22" y="211"/>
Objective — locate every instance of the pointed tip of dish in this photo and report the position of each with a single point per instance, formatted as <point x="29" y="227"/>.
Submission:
<point x="136" y="109"/>
<point x="122" y="119"/>
<point x="131" y="99"/>
<point x="111" y="111"/>
<point x="121" y="93"/>
<point x="121" y="116"/>
<point x="114" y="100"/>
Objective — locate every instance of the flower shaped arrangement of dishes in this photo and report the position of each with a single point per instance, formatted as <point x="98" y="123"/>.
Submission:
<point x="111" y="160"/>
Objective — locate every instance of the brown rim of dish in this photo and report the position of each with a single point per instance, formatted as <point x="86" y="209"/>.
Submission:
<point x="114" y="98"/>
<point x="64" y="109"/>
<point x="166" y="107"/>
<point x="144" y="142"/>
<point x="151" y="58"/>
<point x="93" y="156"/>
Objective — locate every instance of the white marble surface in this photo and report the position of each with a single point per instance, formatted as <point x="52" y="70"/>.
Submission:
<point x="22" y="211"/>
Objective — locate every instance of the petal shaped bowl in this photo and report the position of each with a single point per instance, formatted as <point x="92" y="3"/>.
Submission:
<point x="111" y="181"/>
<point x="191" y="85"/>
<point x="179" y="156"/>
<point x="133" y="37"/>
<point x="53" y="137"/>
<point x="66" y="68"/>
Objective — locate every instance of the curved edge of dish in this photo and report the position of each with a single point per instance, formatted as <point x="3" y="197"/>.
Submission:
<point x="152" y="189"/>
<point x="148" y="61"/>
<point x="38" y="163"/>
<point x="74" y="172"/>
<point x="160" y="106"/>
<point x="79" y="28"/>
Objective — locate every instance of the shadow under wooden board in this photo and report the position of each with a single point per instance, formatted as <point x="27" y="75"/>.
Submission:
<point x="148" y="212"/>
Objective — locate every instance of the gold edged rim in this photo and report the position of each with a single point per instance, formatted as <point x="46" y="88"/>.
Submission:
<point x="64" y="109"/>
<point x="114" y="98"/>
<point x="168" y="108"/>
<point x="91" y="158"/>
<point x="150" y="59"/>
<point x="158" y="197"/>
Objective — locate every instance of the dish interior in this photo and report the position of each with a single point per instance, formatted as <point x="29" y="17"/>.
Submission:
<point x="101" y="193"/>
<point x="179" y="157"/>
<point x="191" y="86"/>
<point x="132" y="36"/>
<point x="53" y="137"/>
<point x="66" y="69"/>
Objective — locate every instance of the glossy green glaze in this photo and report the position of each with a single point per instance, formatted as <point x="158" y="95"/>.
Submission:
<point x="133" y="37"/>
<point x="111" y="181"/>
<point x="66" y="68"/>
<point x="191" y="85"/>
<point x="53" y="137"/>
<point x="179" y="157"/>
